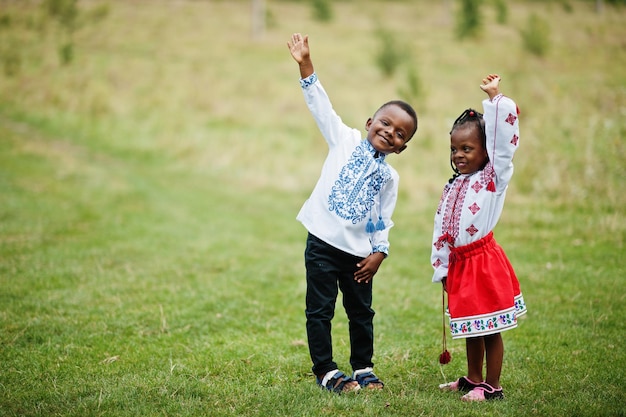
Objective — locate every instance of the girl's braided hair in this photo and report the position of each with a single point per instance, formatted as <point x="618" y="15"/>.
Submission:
<point x="468" y="116"/>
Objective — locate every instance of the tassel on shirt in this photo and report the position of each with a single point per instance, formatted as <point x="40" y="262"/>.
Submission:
<point x="446" y="238"/>
<point x="380" y="225"/>
<point x="491" y="186"/>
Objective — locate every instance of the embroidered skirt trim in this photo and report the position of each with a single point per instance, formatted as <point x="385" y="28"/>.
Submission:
<point x="486" y="324"/>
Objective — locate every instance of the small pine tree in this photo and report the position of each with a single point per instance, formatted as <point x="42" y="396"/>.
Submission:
<point x="412" y="90"/>
<point x="65" y="12"/>
<point x="389" y="56"/>
<point x="536" y="35"/>
<point x="322" y="10"/>
<point x="502" y="11"/>
<point x="468" y="19"/>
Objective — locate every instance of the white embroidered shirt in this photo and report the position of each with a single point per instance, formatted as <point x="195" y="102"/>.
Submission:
<point x="471" y="206"/>
<point x="356" y="184"/>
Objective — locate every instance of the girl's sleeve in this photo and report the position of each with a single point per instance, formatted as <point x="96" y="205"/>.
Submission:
<point x="440" y="250"/>
<point x="439" y="260"/>
<point x="328" y="122"/>
<point x="502" y="132"/>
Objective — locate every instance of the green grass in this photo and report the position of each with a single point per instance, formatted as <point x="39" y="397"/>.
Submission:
<point x="150" y="260"/>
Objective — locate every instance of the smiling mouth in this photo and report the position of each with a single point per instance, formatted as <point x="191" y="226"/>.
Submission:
<point x="461" y="166"/>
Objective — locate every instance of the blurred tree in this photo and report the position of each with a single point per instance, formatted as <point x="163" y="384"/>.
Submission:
<point x="502" y="11"/>
<point x="65" y="12"/>
<point x="258" y="19"/>
<point x="389" y="54"/>
<point x="468" y="19"/>
<point x="322" y="10"/>
<point x="536" y="35"/>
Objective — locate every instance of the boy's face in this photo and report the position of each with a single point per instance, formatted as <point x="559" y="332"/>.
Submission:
<point x="467" y="152"/>
<point x="390" y="129"/>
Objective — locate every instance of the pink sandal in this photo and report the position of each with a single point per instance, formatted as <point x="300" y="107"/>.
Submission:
<point x="483" y="392"/>
<point x="463" y="384"/>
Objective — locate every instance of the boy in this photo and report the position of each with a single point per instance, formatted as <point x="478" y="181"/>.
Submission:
<point x="344" y="246"/>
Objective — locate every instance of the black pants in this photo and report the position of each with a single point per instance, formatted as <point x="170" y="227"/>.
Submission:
<point x="327" y="270"/>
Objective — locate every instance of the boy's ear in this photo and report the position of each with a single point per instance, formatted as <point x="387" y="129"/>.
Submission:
<point x="368" y="124"/>
<point x="401" y="149"/>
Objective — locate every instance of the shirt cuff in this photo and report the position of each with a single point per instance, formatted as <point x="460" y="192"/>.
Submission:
<point x="381" y="249"/>
<point x="496" y="97"/>
<point x="308" y="81"/>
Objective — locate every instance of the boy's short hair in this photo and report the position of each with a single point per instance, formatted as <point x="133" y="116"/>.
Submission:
<point x="407" y="108"/>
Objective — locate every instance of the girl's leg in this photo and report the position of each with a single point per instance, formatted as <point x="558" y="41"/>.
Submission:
<point x="494" y="347"/>
<point x="475" y="351"/>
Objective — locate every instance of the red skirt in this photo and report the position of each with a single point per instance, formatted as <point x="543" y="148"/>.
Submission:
<point x="484" y="294"/>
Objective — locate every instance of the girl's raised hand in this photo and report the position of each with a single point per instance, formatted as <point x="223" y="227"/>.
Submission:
<point x="491" y="85"/>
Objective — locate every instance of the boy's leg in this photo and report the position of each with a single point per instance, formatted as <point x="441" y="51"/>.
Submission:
<point x="357" y="301"/>
<point x="321" y="294"/>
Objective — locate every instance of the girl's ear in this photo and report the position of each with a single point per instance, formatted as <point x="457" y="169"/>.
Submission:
<point x="368" y="124"/>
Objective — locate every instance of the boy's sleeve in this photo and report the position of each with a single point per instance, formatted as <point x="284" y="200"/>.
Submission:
<point x="328" y="122"/>
<point x="389" y="194"/>
<point x="502" y="132"/>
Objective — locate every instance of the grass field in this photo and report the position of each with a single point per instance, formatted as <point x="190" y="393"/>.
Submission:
<point x="150" y="260"/>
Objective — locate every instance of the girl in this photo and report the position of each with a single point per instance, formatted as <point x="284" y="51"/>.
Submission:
<point x="484" y="297"/>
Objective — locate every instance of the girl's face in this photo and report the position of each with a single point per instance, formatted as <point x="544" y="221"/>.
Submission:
<point x="467" y="152"/>
<point x="390" y="129"/>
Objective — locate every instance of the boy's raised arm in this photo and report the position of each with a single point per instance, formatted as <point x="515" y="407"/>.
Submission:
<point x="299" y="48"/>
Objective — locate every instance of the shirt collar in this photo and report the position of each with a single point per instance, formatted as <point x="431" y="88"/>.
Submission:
<point x="375" y="154"/>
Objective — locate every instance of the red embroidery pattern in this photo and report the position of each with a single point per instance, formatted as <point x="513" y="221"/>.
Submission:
<point x="515" y="140"/>
<point x="472" y="230"/>
<point x="454" y="205"/>
<point x="511" y="118"/>
<point x="474" y="208"/>
<point x="488" y="174"/>
<point x="437" y="263"/>
<point x="443" y="197"/>
<point x="477" y="186"/>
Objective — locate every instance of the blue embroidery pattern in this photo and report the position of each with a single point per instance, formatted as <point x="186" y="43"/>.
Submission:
<point x="308" y="81"/>
<point x="381" y="248"/>
<point x="359" y="182"/>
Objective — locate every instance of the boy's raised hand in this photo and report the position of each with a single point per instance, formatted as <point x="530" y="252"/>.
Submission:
<point x="299" y="47"/>
<point x="491" y="85"/>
